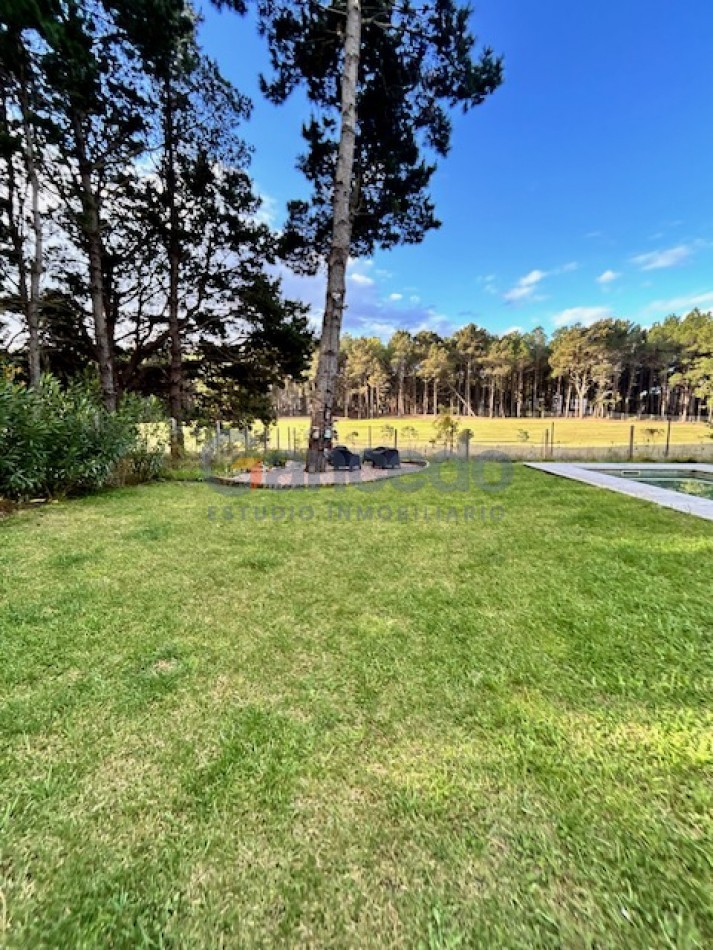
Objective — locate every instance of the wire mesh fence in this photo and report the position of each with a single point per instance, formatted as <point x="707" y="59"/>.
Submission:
<point x="639" y="442"/>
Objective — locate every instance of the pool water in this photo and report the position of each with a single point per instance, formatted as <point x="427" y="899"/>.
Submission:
<point x="695" y="483"/>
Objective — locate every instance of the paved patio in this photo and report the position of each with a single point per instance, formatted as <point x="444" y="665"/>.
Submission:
<point x="293" y="475"/>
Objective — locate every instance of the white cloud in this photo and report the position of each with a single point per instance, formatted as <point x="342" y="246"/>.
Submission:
<point x="362" y="279"/>
<point x="515" y="329"/>
<point x="370" y="311"/>
<point x="381" y="328"/>
<point x="269" y="210"/>
<point x="670" y="257"/>
<point x="585" y="315"/>
<point x="434" y="321"/>
<point x="681" y="305"/>
<point x="396" y="297"/>
<point x="525" y="287"/>
<point x="357" y="271"/>
<point x="533" y="278"/>
<point x="607" y="277"/>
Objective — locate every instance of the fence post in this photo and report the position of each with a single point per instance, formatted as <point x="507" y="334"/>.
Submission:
<point x="552" y="437"/>
<point x="467" y="446"/>
<point x="631" y="443"/>
<point x="545" y="451"/>
<point x="396" y="438"/>
<point x="668" y="440"/>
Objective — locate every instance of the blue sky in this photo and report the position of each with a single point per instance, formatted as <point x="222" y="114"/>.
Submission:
<point x="583" y="188"/>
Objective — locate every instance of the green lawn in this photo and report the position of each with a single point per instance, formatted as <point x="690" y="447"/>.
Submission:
<point x="223" y="723"/>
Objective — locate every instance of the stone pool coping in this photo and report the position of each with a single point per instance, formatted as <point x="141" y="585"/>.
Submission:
<point x="596" y="474"/>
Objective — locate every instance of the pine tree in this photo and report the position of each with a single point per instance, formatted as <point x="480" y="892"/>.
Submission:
<point x="383" y="75"/>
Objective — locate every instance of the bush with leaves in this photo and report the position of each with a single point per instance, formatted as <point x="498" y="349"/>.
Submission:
<point x="446" y="428"/>
<point x="61" y="441"/>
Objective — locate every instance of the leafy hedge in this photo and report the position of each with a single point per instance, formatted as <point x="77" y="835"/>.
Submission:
<point x="59" y="441"/>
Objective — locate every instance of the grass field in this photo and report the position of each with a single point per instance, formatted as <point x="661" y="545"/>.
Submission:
<point x="234" y="721"/>
<point x="569" y="432"/>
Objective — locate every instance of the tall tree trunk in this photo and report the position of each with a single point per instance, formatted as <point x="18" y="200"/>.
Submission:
<point x="321" y="424"/>
<point x="175" y="397"/>
<point x="435" y="395"/>
<point x="91" y="227"/>
<point x="36" y="264"/>
<point x="13" y="200"/>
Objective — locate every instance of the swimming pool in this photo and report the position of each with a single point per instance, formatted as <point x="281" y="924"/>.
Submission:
<point x="691" y="482"/>
<point x="686" y="487"/>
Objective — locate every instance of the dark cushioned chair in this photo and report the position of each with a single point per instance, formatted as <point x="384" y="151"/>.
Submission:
<point x="383" y="457"/>
<point x="342" y="459"/>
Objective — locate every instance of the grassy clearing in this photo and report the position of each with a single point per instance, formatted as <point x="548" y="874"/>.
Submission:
<point x="568" y="432"/>
<point x="233" y="721"/>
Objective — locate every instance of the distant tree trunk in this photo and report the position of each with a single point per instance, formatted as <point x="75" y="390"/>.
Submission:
<point x="321" y="422"/>
<point x="631" y="382"/>
<point x="435" y="396"/>
<point x="581" y="392"/>
<point x="91" y="227"/>
<point x="175" y="397"/>
<point x="520" y="393"/>
<point x="664" y="401"/>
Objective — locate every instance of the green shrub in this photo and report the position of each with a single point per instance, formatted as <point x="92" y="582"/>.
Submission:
<point x="276" y="458"/>
<point x="56" y="441"/>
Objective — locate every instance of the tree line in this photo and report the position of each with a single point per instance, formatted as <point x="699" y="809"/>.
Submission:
<point x="613" y="366"/>
<point x="131" y="241"/>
